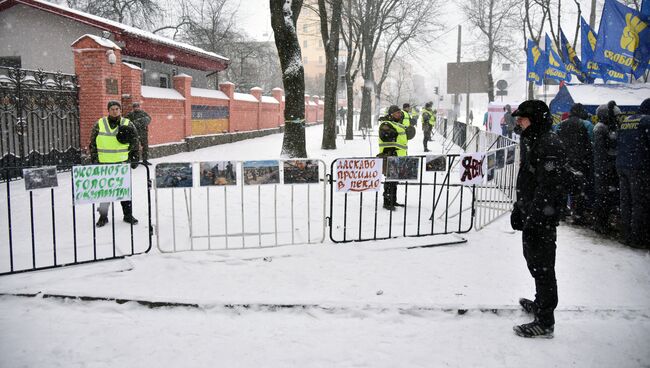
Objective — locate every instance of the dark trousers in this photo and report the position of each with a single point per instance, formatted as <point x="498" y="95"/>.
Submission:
<point x="539" y="252"/>
<point x="143" y="135"/>
<point x="635" y="207"/>
<point x="390" y="193"/>
<point x="427" y="138"/>
<point x="606" y="201"/>
<point x="126" y="208"/>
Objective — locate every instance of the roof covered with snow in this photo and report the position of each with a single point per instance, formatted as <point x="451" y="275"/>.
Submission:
<point x="100" y="40"/>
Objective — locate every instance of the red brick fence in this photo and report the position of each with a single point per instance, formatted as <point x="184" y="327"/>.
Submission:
<point x="184" y="118"/>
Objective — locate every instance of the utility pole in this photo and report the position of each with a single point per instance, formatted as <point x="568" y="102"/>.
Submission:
<point x="592" y="16"/>
<point x="457" y="96"/>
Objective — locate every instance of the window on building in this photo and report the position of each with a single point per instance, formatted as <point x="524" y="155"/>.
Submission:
<point x="305" y="28"/>
<point x="505" y="67"/>
<point x="164" y="80"/>
<point x="10" y="61"/>
<point x="304" y="44"/>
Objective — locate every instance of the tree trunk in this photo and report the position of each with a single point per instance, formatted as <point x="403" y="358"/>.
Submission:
<point x="331" y="71"/>
<point x="349" y="84"/>
<point x="284" y="15"/>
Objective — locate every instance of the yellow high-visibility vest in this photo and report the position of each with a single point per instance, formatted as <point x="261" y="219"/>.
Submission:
<point x="109" y="150"/>
<point x="400" y="144"/>
<point x="406" y="121"/>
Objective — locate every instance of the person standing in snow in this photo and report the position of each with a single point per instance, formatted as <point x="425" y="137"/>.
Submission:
<point x="508" y="122"/>
<point x="428" y="122"/>
<point x="606" y="193"/>
<point x="575" y="137"/>
<point x="113" y="139"/>
<point x="392" y="142"/>
<point x="633" y="168"/>
<point x="141" y="120"/>
<point x="537" y="211"/>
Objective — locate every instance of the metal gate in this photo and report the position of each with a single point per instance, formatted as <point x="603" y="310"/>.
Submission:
<point x="39" y="119"/>
<point x="43" y="228"/>
<point x="434" y="204"/>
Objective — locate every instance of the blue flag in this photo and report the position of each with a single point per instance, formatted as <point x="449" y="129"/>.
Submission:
<point x="555" y="68"/>
<point x="592" y="68"/>
<point x="645" y="8"/>
<point x="573" y="64"/>
<point x="535" y="65"/>
<point x="623" y="39"/>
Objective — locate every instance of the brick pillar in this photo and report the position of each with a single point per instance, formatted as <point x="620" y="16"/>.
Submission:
<point x="257" y="93"/>
<point x="99" y="80"/>
<point x="228" y="89"/>
<point x="183" y="84"/>
<point x="131" y="87"/>
<point x="278" y="93"/>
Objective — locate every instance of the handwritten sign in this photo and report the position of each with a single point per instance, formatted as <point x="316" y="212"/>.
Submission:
<point x="473" y="168"/>
<point x="101" y="183"/>
<point x="358" y="175"/>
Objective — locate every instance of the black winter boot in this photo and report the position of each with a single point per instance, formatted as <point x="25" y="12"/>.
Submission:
<point x="534" y="329"/>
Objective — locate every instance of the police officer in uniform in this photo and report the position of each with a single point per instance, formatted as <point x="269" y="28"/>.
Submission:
<point x="428" y="123"/>
<point x="392" y="142"/>
<point x="113" y="139"/>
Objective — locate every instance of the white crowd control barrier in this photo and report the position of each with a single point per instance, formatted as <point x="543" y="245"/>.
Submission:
<point x="239" y="205"/>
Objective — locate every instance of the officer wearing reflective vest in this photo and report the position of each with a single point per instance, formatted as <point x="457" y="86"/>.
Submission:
<point x="428" y="123"/>
<point x="392" y="142"/>
<point x="114" y="140"/>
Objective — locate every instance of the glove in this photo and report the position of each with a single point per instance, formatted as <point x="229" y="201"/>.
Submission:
<point x="516" y="219"/>
<point x="134" y="165"/>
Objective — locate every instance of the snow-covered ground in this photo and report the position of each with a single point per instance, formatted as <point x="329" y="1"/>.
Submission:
<point x="370" y="304"/>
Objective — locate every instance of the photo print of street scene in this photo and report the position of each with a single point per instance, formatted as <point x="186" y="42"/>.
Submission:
<point x="300" y="171"/>
<point x="218" y="173"/>
<point x="403" y="168"/>
<point x="174" y="175"/>
<point x="261" y="172"/>
<point x="41" y="177"/>
<point x="436" y="163"/>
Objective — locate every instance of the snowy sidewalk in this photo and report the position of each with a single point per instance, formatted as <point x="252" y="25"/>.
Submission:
<point x="346" y="305"/>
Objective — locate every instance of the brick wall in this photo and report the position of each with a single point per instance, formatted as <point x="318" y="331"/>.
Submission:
<point x="101" y="81"/>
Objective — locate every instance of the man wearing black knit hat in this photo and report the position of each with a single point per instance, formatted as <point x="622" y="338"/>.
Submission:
<point x="114" y="140"/>
<point x="540" y="199"/>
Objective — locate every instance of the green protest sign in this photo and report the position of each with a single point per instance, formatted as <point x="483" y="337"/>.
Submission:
<point x="101" y="183"/>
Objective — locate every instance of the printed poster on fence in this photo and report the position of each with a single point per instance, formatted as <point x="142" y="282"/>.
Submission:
<point x="473" y="168"/>
<point x="101" y="183"/>
<point x="358" y="174"/>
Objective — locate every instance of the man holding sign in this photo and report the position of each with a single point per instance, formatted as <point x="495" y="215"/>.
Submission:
<point x="114" y="140"/>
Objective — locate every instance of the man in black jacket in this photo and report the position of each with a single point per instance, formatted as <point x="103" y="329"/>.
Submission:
<point x="575" y="137"/>
<point x="540" y="199"/>
<point x="606" y="190"/>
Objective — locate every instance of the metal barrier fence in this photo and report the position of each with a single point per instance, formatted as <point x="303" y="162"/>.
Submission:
<point x="45" y="229"/>
<point x="434" y="204"/>
<point x="495" y="197"/>
<point x="236" y="215"/>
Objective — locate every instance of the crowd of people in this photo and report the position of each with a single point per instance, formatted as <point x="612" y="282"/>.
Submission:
<point x="608" y="171"/>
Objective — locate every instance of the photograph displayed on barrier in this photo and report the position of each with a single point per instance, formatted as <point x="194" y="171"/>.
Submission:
<point x="510" y="155"/>
<point x="261" y="172"/>
<point x="490" y="175"/>
<point x="174" y="175"/>
<point x="491" y="161"/>
<point x="218" y="173"/>
<point x="436" y="163"/>
<point x="40" y="178"/>
<point x="403" y="168"/>
<point x="501" y="158"/>
<point x="358" y="174"/>
<point x="300" y="171"/>
<point x="101" y="183"/>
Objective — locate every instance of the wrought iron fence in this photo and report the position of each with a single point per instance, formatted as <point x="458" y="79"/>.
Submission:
<point x="39" y="119"/>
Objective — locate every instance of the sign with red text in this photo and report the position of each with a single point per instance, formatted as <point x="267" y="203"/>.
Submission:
<point x="473" y="168"/>
<point x="358" y="174"/>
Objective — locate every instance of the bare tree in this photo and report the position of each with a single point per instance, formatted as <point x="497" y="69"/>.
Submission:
<point x="284" y="15"/>
<point x="137" y="13"/>
<point x="352" y="38"/>
<point x="330" y="26"/>
<point x="535" y="13"/>
<point x="494" y="19"/>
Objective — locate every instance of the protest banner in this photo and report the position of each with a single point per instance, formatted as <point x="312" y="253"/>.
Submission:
<point x="358" y="174"/>
<point x="101" y="183"/>
<point x="473" y="168"/>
